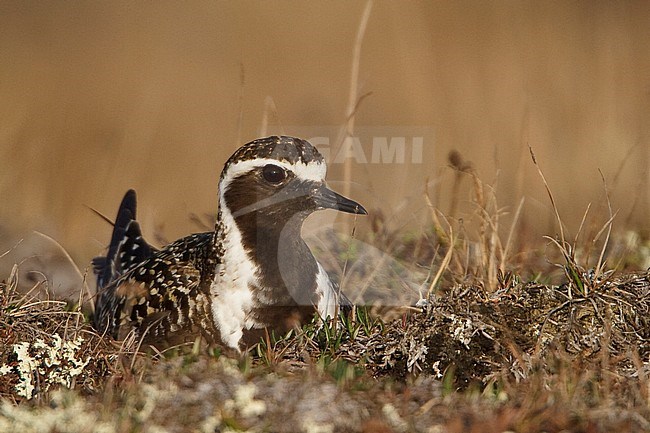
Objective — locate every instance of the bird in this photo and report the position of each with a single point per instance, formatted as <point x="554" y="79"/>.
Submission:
<point x="252" y="274"/>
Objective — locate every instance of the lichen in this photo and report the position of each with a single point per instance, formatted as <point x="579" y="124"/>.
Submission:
<point x="45" y="363"/>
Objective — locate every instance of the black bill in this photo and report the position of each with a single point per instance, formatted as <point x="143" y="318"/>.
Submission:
<point x="325" y="198"/>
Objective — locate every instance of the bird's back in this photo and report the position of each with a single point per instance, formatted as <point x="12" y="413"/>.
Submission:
<point x="153" y="292"/>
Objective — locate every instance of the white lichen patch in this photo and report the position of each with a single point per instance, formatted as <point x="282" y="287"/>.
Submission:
<point x="435" y="370"/>
<point x="417" y="353"/>
<point x="393" y="417"/>
<point x="462" y="330"/>
<point x="210" y="424"/>
<point x="53" y="362"/>
<point x="310" y="426"/>
<point x="244" y="402"/>
<point x="151" y="395"/>
<point x="67" y="414"/>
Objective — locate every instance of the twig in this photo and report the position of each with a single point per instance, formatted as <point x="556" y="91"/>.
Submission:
<point x="65" y="253"/>
<point x="550" y="195"/>
<point x="608" y="224"/>
<point x="353" y="99"/>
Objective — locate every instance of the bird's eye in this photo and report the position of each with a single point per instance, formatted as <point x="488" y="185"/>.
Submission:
<point x="273" y="173"/>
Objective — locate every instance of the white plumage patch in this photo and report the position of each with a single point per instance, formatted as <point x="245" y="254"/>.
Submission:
<point x="328" y="299"/>
<point x="230" y="290"/>
<point x="315" y="171"/>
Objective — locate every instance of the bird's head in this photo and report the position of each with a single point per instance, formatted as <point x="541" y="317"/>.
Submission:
<point x="280" y="178"/>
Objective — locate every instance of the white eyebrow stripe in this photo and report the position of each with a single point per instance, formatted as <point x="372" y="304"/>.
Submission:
<point x="315" y="171"/>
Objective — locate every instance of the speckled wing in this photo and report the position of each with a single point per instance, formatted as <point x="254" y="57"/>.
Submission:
<point x="162" y="294"/>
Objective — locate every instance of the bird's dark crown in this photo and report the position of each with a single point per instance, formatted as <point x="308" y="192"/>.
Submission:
<point x="281" y="148"/>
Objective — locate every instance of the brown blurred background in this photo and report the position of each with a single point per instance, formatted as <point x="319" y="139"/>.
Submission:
<point x="99" y="97"/>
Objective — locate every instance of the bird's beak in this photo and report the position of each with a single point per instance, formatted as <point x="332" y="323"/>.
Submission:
<point x="325" y="198"/>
